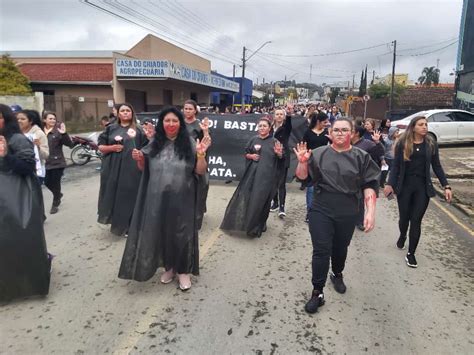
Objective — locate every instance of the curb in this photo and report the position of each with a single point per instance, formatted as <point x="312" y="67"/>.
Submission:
<point x="463" y="208"/>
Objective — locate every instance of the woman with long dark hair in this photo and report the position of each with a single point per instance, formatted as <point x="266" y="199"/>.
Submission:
<point x="24" y="261"/>
<point x="198" y="130"/>
<point x="409" y="179"/>
<point x="164" y="232"/>
<point x="249" y="207"/>
<point x="317" y="135"/>
<point x="119" y="175"/>
<point x="56" y="163"/>
<point x="342" y="176"/>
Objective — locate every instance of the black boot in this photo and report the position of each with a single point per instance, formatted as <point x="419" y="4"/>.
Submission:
<point x="317" y="300"/>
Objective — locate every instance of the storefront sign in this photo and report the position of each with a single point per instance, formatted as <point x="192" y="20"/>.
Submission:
<point x="138" y="68"/>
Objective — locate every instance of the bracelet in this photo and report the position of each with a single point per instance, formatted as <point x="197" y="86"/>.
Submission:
<point x="201" y="155"/>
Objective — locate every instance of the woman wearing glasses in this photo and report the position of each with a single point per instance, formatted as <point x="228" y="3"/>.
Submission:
<point x="342" y="175"/>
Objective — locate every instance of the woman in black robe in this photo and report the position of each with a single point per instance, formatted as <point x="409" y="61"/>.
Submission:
<point x="249" y="207"/>
<point x="163" y="232"/>
<point x="24" y="261"/>
<point x="119" y="175"/>
<point x="198" y="130"/>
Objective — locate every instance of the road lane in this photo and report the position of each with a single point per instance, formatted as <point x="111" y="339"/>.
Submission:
<point x="251" y="292"/>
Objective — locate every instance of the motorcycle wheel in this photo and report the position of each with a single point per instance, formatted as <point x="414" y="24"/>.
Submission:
<point x="80" y="155"/>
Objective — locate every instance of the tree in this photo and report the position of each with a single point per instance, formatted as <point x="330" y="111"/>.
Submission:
<point x="334" y="94"/>
<point x="429" y="75"/>
<point x="363" y="83"/>
<point x="12" y="81"/>
<point x="377" y="91"/>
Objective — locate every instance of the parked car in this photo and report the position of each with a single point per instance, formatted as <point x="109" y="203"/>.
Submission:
<point x="445" y="126"/>
<point x="148" y="116"/>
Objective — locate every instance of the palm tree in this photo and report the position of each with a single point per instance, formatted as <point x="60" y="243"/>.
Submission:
<point x="429" y="76"/>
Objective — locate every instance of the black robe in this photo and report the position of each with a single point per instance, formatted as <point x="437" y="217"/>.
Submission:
<point x="249" y="207"/>
<point x="24" y="262"/>
<point x="163" y="230"/>
<point x="195" y="132"/>
<point x="119" y="179"/>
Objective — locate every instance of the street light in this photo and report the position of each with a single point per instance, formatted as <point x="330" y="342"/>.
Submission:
<point x="244" y="60"/>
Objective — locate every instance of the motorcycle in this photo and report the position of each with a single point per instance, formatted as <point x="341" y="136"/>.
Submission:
<point x="85" y="149"/>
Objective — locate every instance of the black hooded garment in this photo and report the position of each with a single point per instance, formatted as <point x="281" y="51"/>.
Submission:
<point x="195" y="132"/>
<point x="163" y="231"/>
<point x="119" y="178"/>
<point x="24" y="262"/>
<point x="249" y="207"/>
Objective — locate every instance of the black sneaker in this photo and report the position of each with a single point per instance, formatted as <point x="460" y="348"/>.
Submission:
<point x="274" y="207"/>
<point x="54" y="209"/>
<point x="282" y="213"/>
<point x="338" y="282"/>
<point x="401" y="242"/>
<point x="411" y="260"/>
<point x="317" y="300"/>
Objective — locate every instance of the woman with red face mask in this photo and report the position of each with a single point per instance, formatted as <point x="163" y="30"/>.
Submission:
<point x="249" y="207"/>
<point x="164" y="232"/>
<point x="119" y="175"/>
<point x="198" y="130"/>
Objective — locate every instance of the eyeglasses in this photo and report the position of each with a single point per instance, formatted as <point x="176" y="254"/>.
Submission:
<point x="341" y="130"/>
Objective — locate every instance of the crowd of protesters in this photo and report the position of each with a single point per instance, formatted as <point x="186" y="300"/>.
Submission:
<point x="154" y="185"/>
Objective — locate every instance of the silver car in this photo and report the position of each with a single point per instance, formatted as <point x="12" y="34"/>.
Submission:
<point x="446" y="126"/>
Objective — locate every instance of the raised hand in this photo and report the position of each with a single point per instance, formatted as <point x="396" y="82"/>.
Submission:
<point x="302" y="152"/>
<point x="203" y="145"/>
<point x="278" y="149"/>
<point x="376" y="136"/>
<point x="3" y="147"/>
<point x="204" y="124"/>
<point x="62" y="128"/>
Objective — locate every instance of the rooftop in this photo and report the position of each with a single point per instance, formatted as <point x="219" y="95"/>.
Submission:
<point x="68" y="72"/>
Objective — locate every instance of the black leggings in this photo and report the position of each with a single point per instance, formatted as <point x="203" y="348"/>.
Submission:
<point x="412" y="204"/>
<point x="52" y="181"/>
<point x="280" y="196"/>
<point x="331" y="238"/>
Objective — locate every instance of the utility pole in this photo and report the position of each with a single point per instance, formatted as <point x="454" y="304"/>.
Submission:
<point x="390" y="107"/>
<point x="242" y="100"/>
<point x="233" y="94"/>
<point x="353" y="82"/>
<point x="244" y="61"/>
<point x="373" y="77"/>
<point x="437" y="63"/>
<point x="310" y="72"/>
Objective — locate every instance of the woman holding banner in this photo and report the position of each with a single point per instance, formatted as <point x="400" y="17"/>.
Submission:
<point x="249" y="207"/>
<point x="198" y="130"/>
<point x="281" y="131"/>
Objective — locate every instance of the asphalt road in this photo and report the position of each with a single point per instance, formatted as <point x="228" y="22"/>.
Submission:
<point x="250" y="295"/>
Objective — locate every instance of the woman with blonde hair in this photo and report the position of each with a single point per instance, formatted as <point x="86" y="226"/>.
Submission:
<point x="415" y="153"/>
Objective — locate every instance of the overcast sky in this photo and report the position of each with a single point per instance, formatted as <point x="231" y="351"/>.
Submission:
<point x="217" y="30"/>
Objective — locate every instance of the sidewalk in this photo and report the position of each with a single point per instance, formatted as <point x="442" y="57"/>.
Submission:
<point x="458" y="163"/>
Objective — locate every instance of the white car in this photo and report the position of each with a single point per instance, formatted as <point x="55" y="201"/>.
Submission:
<point x="445" y="126"/>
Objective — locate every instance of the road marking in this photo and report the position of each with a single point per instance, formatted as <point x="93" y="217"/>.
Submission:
<point x="129" y="343"/>
<point x="454" y="218"/>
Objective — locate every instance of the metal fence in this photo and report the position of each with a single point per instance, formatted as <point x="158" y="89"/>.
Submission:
<point x="79" y="114"/>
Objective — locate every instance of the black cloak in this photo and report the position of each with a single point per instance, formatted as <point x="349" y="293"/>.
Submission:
<point x="24" y="262"/>
<point x="249" y="207"/>
<point x="195" y="132"/>
<point x="163" y="230"/>
<point x="119" y="178"/>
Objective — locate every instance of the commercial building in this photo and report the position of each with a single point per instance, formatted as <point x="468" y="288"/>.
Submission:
<point x="83" y="85"/>
<point x="465" y="61"/>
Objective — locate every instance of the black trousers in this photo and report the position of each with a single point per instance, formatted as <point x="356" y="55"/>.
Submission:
<point x="412" y="204"/>
<point x="52" y="181"/>
<point x="331" y="238"/>
<point x="280" y="196"/>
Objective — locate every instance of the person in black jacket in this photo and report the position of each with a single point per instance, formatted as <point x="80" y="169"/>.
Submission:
<point x="410" y="180"/>
<point x="55" y="164"/>
<point x="281" y="129"/>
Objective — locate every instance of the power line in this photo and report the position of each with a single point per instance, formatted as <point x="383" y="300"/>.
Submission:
<point x="430" y="45"/>
<point x="324" y="54"/>
<point x="426" y="53"/>
<point x="89" y="3"/>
